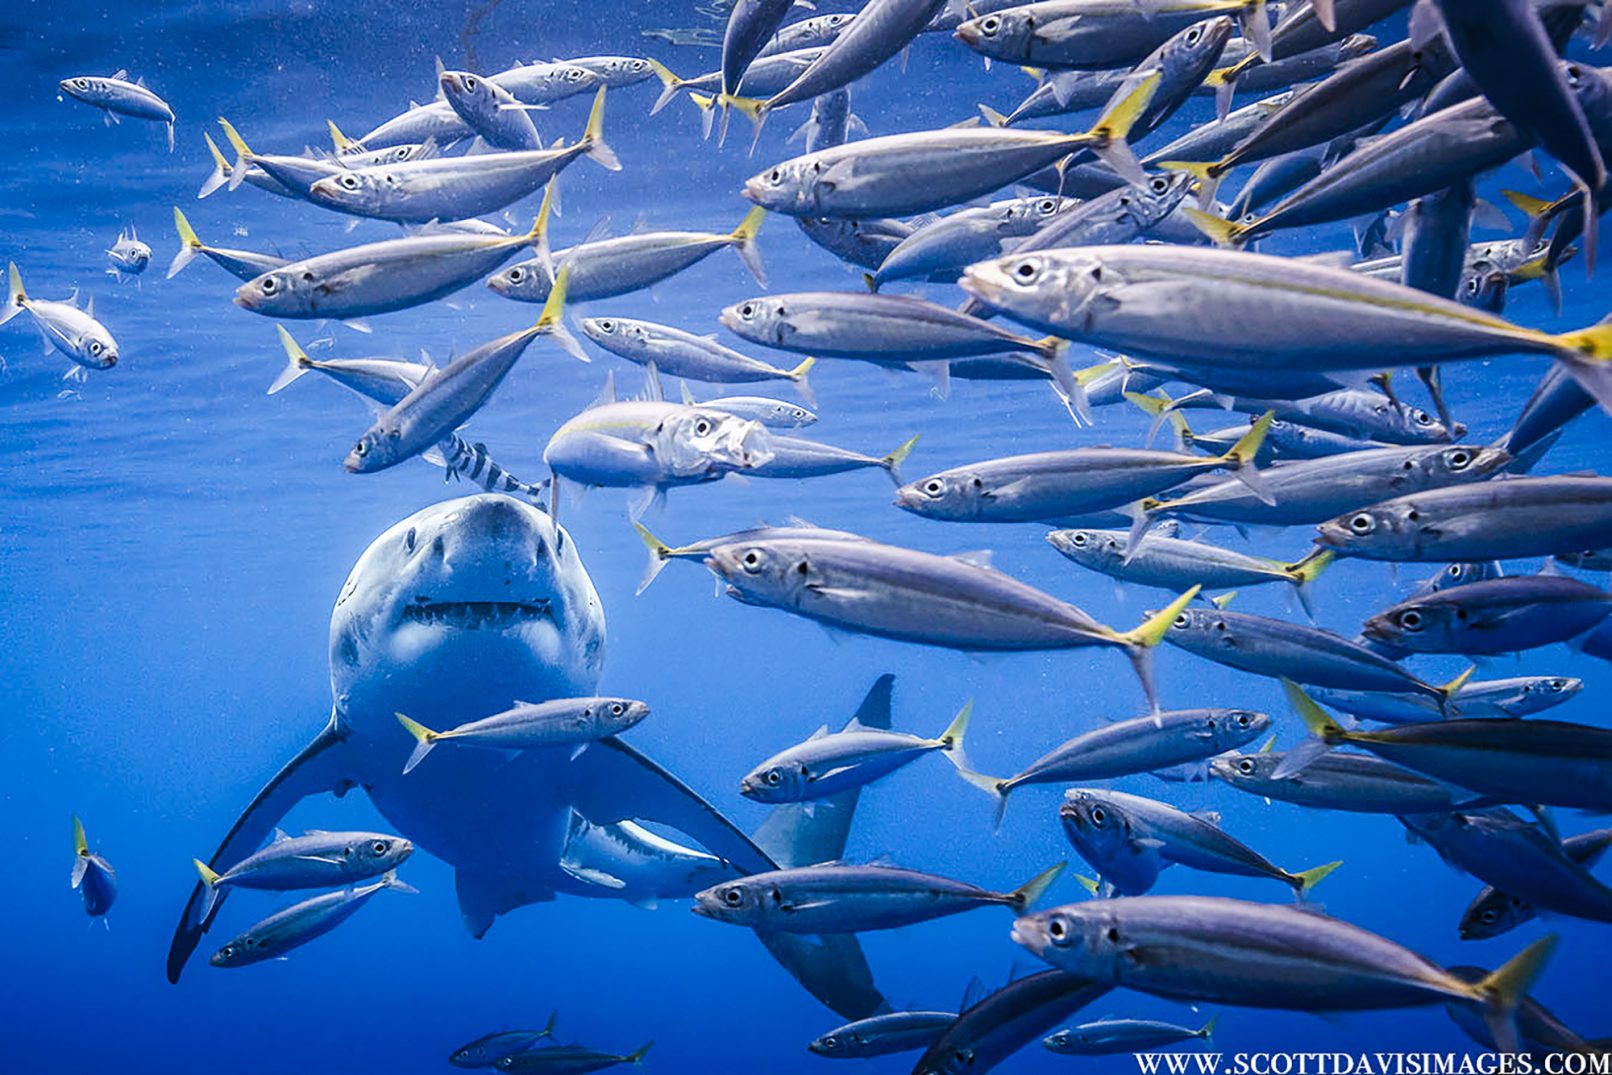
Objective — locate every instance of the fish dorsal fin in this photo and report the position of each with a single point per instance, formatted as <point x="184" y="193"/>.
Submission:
<point x="975" y="557"/>
<point x="973" y="993"/>
<point x="279" y="835"/>
<point x="89" y="307"/>
<point x="883" y="862"/>
<point x="854" y="725"/>
<point x="72" y="300"/>
<point x="1208" y="817"/>
<point x="687" y="396"/>
<point x="141" y="82"/>
<point x="652" y="388"/>
<point x="804" y="524"/>
<point x="820" y="733"/>
<point x="607" y="394"/>
<point x="121" y="74"/>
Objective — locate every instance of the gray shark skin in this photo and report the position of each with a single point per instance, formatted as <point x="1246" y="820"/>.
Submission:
<point x="455" y="611"/>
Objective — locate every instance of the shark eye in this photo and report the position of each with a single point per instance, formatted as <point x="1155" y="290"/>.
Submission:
<point x="1410" y="619"/>
<point x="409" y="539"/>
<point x="1362" y="523"/>
<point x="1245" y="767"/>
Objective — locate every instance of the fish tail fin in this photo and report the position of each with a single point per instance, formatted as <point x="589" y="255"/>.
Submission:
<point x="1140" y="641"/>
<point x="297" y="361"/>
<point x="243" y="154"/>
<point x="1092" y="886"/>
<point x="209" y="880"/>
<point x="538" y="236"/>
<point x="1142" y="513"/>
<point x="593" y="136"/>
<point x="81" y="846"/>
<point x="16" y="297"/>
<point x="993" y="117"/>
<point x="636" y="1057"/>
<point x="1113" y="127"/>
<point x="1587" y="355"/>
<point x="1207" y="1031"/>
<point x="1305" y="880"/>
<point x="1256" y="27"/>
<point x="660" y="554"/>
<point x="189" y="244"/>
<point x="220" y="173"/>
<point x="548" y="1027"/>
<point x="424" y="740"/>
<point x="1538" y="211"/>
<point x="1448" y="691"/>
<point x="1217" y="229"/>
<point x="1240" y="458"/>
<point x="951" y="740"/>
<point x="892" y="462"/>
<point x="994" y="786"/>
<point x="552" y="321"/>
<point x="744" y="243"/>
<point x="1207" y="173"/>
<point x="1502" y="991"/>
<point x="390" y="880"/>
<point x="798" y="376"/>
<point x="1162" y="409"/>
<point x="1304" y="572"/>
<point x="1326" y="732"/>
<point x="1028" y="894"/>
<point x="340" y="142"/>
<point x="669" y="82"/>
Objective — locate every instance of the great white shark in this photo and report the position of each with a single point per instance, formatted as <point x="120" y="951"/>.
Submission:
<point x="452" y="614"/>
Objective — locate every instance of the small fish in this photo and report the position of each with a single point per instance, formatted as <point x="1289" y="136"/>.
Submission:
<point x="683" y="354"/>
<point x="751" y="26"/>
<point x="1108" y="1037"/>
<point x="772" y="413"/>
<point x="836" y="898"/>
<point x="488" y="1049"/>
<point x="1538" y="762"/>
<point x="1001" y="1024"/>
<point x="1223" y="951"/>
<point x="1175" y="837"/>
<point x="831" y="123"/>
<point x="1126" y="747"/>
<point x="1489" y="618"/>
<point x="1097" y="34"/>
<point x="881" y="29"/>
<point x="616" y="71"/>
<point x="797" y="457"/>
<point x="827" y="764"/>
<point x="315" y="860"/>
<point x="442" y="403"/>
<point x="116" y="96"/>
<point x="569" y="1059"/>
<point x="541" y="84"/>
<point x="300" y="923"/>
<point x="1356" y="783"/>
<point x="944" y="248"/>
<point x="490" y="110"/>
<point x="64" y="327"/>
<point x="1522" y="696"/>
<point x="129" y="256"/>
<point x="865" y="243"/>
<point x="563" y="722"/>
<point x="1493" y="912"/>
<point x="93" y="876"/>
<point x="882" y="1035"/>
<point x="815" y="32"/>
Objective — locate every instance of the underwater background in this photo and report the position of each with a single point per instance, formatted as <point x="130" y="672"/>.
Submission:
<point x="172" y="540"/>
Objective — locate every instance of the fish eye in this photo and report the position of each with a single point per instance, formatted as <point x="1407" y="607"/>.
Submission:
<point x="1194" y="35"/>
<point x="616" y="709"/>
<point x="1410" y="619"/>
<point x="1181" y="620"/>
<point x="702" y="428"/>
<point x="379" y="847"/>
<point x="575" y="74"/>
<point x="1048" y="205"/>
<point x="1098" y="815"/>
<point x="1057" y="930"/>
<point x="1455" y="571"/>
<point x="747" y="311"/>
<point x="1078" y="539"/>
<point x="607" y="326"/>
<point x="409" y="539"/>
<point x="829" y="1042"/>
<point x="1160" y="185"/>
<point x="991" y="25"/>
<point x="1460" y="458"/>
<point x="934" y="487"/>
<point x="95" y="347"/>
<point x="361" y="448"/>
<point x="1422" y="418"/>
<point x="752" y="560"/>
<point x="517" y="274"/>
<point x="1243" y="720"/>
<point x="1362" y="523"/>
<point x="228" y="951"/>
<point x="350" y="182"/>
<point x="733" y="897"/>
<point x="1025" y="272"/>
<point x="1245" y="767"/>
<point x="1490" y="917"/>
<point x="1556" y="685"/>
<point x="776" y="175"/>
<point x="268" y="285"/>
<point x="470" y="83"/>
<point x="774" y="777"/>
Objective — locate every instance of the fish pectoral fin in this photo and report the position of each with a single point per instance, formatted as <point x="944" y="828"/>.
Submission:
<point x="805" y="905"/>
<point x="331" y="859"/>
<point x="614" y="782"/>
<point x="321" y="766"/>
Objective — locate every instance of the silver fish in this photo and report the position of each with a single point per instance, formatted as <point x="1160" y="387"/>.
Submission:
<point x="615" y="71"/>
<point x="570" y="723"/>
<point x="490" y="110"/>
<point x="242" y="264"/>
<point x="1163" y="562"/>
<point x="1007" y="1020"/>
<point x="942" y="249"/>
<point x="1493" y="912"/>
<point x="826" y="765"/>
<point x="297" y="925"/>
<point x="1496" y="616"/>
<point x="1355" y="783"/>
<point x="882" y="1035"/>
<point x="797" y="457"/>
<point x="116" y="96"/>
<point x="93" y="876"/>
<point x="488" y="1049"/>
<point x="314" y="860"/>
<point x="1109" y="1037"/>
<point x="569" y="1059"/>
<point x="683" y="354"/>
<point x="881" y="29"/>
<point x="772" y="413"/>
<point x="861" y="242"/>
<point x="1521" y="696"/>
<point x="1096" y="33"/>
<point x="129" y="256"/>
<point x="64" y="327"/>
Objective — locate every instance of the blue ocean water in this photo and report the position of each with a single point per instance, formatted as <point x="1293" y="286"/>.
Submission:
<point x="172" y="539"/>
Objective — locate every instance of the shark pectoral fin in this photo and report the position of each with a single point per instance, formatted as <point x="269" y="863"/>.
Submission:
<point x="614" y="782"/>
<point x="832" y="968"/>
<point x="485" y="896"/>
<point x="321" y="766"/>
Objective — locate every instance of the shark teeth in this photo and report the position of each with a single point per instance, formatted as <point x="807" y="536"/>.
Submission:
<point x="473" y="615"/>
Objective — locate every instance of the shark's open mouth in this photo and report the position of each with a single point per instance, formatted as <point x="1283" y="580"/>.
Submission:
<point x="472" y="615"/>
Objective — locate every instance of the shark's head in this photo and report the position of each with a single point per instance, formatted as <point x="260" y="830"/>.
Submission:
<point x="476" y="601"/>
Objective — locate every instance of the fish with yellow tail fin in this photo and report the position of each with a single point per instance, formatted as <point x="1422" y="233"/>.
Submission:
<point x="93" y="876"/>
<point x="571" y="723"/>
<point x="313" y="860"/>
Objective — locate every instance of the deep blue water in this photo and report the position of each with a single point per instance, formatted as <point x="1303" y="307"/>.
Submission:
<point x="172" y="539"/>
